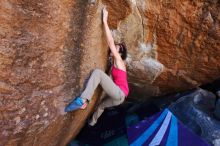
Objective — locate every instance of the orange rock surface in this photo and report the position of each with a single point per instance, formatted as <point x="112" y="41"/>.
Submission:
<point x="48" y="49"/>
<point x="173" y="45"/>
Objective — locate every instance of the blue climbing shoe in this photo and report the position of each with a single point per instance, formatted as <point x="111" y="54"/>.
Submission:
<point x="79" y="101"/>
<point x="76" y="104"/>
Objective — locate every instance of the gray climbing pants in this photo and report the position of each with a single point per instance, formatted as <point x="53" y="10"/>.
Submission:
<point x="116" y="95"/>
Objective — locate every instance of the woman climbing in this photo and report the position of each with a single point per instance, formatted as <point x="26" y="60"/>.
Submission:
<point x="117" y="89"/>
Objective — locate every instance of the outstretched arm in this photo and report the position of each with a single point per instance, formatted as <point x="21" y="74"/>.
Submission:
<point x="109" y="37"/>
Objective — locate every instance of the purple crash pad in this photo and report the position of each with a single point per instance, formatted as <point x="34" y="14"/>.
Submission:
<point x="162" y="129"/>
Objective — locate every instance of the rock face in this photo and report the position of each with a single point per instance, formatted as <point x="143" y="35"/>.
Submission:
<point x="173" y="45"/>
<point x="48" y="49"/>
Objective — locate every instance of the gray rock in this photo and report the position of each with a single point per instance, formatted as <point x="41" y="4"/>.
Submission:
<point x="205" y="100"/>
<point x="196" y="112"/>
<point x="217" y="110"/>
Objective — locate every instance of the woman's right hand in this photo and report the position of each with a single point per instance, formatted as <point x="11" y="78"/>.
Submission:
<point x="105" y="15"/>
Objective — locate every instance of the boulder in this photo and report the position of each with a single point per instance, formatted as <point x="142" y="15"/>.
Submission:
<point x="198" y="115"/>
<point x="172" y="45"/>
<point x="49" y="48"/>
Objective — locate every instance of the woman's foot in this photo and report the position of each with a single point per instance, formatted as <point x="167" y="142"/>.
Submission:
<point x="77" y="103"/>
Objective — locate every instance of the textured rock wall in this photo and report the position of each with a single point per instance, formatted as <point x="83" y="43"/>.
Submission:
<point x="192" y="47"/>
<point x="48" y="49"/>
<point x="173" y="45"/>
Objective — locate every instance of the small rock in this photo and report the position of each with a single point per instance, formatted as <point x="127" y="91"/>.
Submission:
<point x="205" y="100"/>
<point x="42" y="102"/>
<point x="18" y="32"/>
<point x="17" y="120"/>
<point x="37" y="117"/>
<point x="45" y="115"/>
<point x="209" y="18"/>
<point x="46" y="109"/>
<point x="22" y="110"/>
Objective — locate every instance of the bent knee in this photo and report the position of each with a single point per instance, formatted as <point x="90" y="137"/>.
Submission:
<point x="97" y="71"/>
<point x="122" y="100"/>
<point x="119" y="101"/>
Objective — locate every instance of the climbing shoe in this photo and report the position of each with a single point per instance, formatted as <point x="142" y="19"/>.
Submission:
<point x="76" y="104"/>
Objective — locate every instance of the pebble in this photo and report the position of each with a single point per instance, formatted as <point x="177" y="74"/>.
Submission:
<point x="45" y="115"/>
<point x="22" y="110"/>
<point x="17" y="120"/>
<point x="37" y="117"/>
<point x="43" y="102"/>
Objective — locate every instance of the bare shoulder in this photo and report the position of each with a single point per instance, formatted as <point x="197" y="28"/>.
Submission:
<point x="120" y="64"/>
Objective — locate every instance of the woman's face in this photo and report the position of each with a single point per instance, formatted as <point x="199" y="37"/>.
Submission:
<point x="117" y="48"/>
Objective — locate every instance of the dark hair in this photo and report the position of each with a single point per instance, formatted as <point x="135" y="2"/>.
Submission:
<point x="122" y="50"/>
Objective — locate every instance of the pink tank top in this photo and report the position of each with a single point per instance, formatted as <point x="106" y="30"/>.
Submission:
<point x="120" y="78"/>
